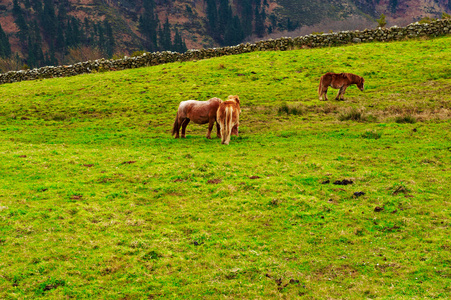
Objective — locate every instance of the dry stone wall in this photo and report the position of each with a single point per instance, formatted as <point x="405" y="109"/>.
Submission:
<point x="414" y="30"/>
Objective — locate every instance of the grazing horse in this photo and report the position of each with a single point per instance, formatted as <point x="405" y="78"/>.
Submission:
<point x="338" y="81"/>
<point x="228" y="117"/>
<point x="200" y="112"/>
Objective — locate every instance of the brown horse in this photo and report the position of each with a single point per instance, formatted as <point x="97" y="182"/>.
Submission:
<point x="338" y="81"/>
<point x="228" y="117"/>
<point x="200" y="112"/>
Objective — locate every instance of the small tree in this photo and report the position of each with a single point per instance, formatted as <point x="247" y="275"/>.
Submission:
<point x="382" y="22"/>
<point x="445" y="15"/>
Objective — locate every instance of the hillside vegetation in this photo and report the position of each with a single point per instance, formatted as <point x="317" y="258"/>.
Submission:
<point x="314" y="199"/>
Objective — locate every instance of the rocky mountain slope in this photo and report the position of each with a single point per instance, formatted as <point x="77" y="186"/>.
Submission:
<point x="191" y="18"/>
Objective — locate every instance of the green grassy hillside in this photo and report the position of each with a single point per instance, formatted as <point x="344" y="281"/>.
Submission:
<point x="98" y="201"/>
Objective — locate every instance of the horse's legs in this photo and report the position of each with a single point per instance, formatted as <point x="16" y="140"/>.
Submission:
<point x="339" y="93"/>
<point x="176" y="130"/>
<point x="210" y="128"/>
<point x="235" y="130"/>
<point x="218" y="129"/>
<point x="184" y="124"/>
<point x="343" y="92"/>
<point x="324" y="92"/>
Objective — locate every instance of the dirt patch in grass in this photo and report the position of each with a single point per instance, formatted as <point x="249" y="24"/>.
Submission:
<point x="214" y="181"/>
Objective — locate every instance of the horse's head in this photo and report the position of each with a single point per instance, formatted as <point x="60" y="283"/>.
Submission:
<point x="360" y="83"/>
<point x="234" y="98"/>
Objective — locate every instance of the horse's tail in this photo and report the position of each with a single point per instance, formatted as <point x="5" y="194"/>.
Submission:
<point x="319" y="87"/>
<point x="227" y="124"/>
<point x="176" y="126"/>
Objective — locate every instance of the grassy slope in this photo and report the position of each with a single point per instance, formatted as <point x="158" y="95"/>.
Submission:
<point x="98" y="201"/>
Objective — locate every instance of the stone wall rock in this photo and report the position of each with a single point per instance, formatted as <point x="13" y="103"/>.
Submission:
<point x="414" y="30"/>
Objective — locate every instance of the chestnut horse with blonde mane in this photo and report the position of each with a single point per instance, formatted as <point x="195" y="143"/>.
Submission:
<point x="200" y="112"/>
<point x="338" y="81"/>
<point x="228" y="117"/>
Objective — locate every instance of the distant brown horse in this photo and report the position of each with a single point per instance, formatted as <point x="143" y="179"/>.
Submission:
<point x="228" y="117"/>
<point x="200" y="112"/>
<point x="338" y="81"/>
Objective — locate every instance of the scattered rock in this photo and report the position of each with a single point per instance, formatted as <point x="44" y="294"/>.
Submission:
<point x="378" y="209"/>
<point x="88" y="165"/>
<point x="414" y="130"/>
<point x="254" y="177"/>
<point x="358" y="194"/>
<point x="325" y="181"/>
<point x="343" y="182"/>
<point x="129" y="162"/>
<point x="22" y="156"/>
<point x="196" y="243"/>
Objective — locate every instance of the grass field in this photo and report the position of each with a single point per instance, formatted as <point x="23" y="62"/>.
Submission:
<point x="314" y="200"/>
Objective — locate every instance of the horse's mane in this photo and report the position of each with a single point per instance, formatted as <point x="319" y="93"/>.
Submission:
<point x="234" y="98"/>
<point x="352" y="77"/>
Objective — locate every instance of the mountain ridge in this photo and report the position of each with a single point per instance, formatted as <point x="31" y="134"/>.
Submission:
<point x="191" y="19"/>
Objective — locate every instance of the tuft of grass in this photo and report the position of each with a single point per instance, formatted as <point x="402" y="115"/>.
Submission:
<point x="370" y="134"/>
<point x="59" y="117"/>
<point x="400" y="188"/>
<point x="291" y="109"/>
<point x="48" y="285"/>
<point x="352" y="114"/>
<point x="405" y="119"/>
